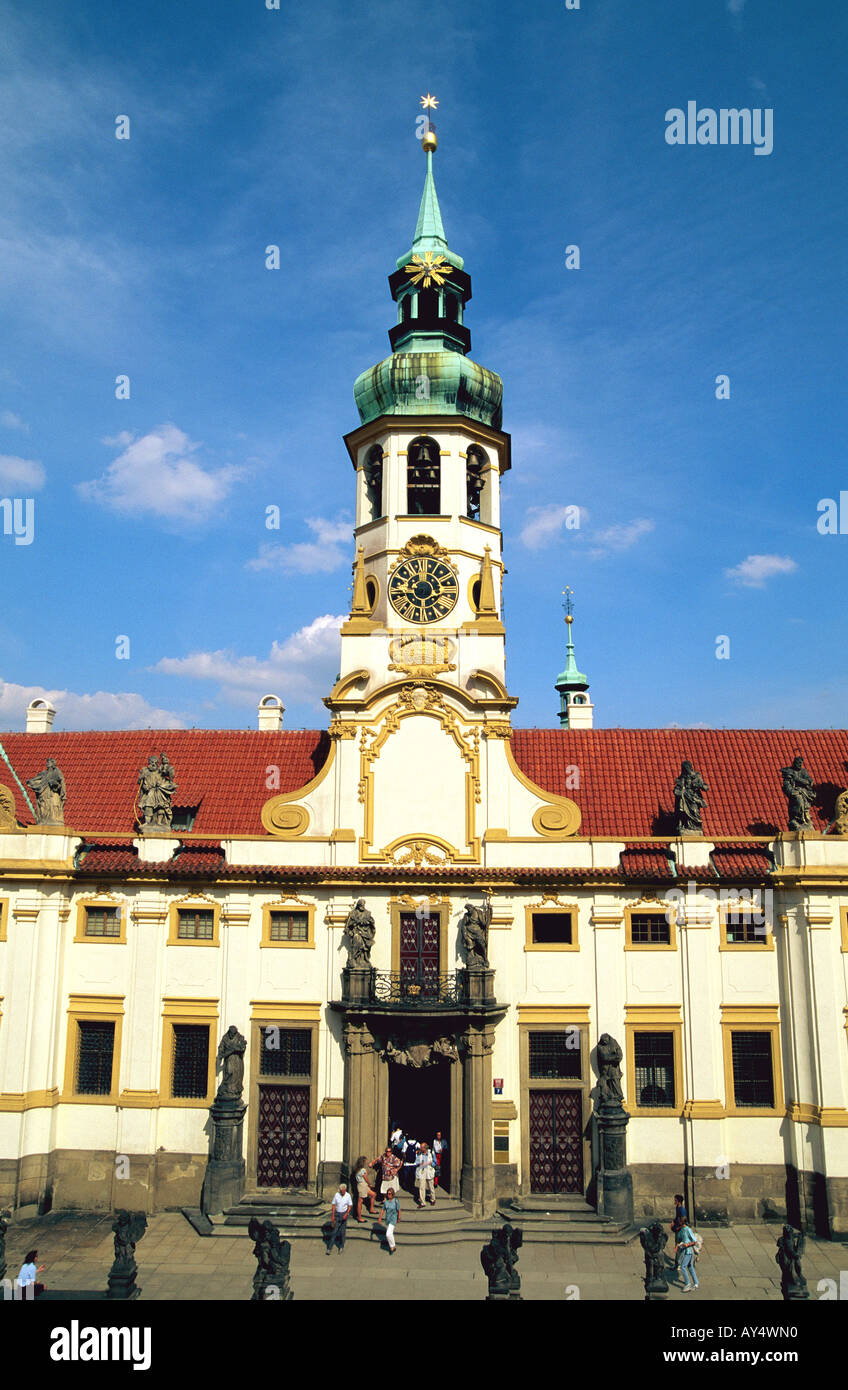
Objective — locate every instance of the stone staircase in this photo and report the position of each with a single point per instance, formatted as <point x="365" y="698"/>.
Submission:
<point x="301" y="1216"/>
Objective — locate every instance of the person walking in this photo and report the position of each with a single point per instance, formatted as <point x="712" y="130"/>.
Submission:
<point x="407" y="1172"/>
<point x="396" y="1139"/>
<point x="424" y="1176"/>
<point x="680" y="1220"/>
<point x="440" y="1149"/>
<point x="340" y="1207"/>
<point x="28" y="1274"/>
<point x="364" y="1191"/>
<point x="390" y="1216"/>
<point x="390" y="1166"/>
<point x="687" y="1243"/>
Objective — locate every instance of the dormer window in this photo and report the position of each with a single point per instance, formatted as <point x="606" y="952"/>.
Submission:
<point x="423" y="491"/>
<point x="374" y="481"/>
<point x="475" y="467"/>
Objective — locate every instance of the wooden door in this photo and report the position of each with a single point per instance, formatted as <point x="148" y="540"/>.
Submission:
<point x="419" y="953"/>
<point x="556" y="1141"/>
<point x="283" y="1157"/>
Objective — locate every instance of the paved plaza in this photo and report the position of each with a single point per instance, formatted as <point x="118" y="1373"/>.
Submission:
<point x="177" y="1264"/>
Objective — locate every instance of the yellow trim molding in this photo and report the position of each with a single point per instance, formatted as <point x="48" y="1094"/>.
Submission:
<point x="92" y="1008"/>
<point x="332" y="1107"/>
<point x="654" y="1019"/>
<point x="198" y="1013"/>
<point x="645" y="907"/>
<point x="843" y="926"/>
<point x="277" y="1011"/>
<point x="288" y="902"/>
<point x="703" y="1110"/>
<point x="553" y="908"/>
<point x="559" y="818"/>
<point x="504" y="1110"/>
<point x="563" y="1014"/>
<point x="4" y="918"/>
<point x="751" y="1018"/>
<point x="767" y="942"/>
<point x="199" y="901"/>
<point x="103" y="900"/>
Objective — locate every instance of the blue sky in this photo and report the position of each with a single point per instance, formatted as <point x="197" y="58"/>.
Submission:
<point x="297" y="127"/>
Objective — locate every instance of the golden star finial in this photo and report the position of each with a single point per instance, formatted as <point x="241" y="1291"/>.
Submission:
<point x="429" y="101"/>
<point x="427" y="269"/>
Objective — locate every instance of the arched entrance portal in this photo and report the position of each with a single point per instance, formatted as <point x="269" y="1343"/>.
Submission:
<point x="420" y="1102"/>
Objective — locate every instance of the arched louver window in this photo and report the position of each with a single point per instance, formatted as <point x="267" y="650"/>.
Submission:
<point x="374" y="481"/>
<point x="423" y="478"/>
<point x="475" y="467"/>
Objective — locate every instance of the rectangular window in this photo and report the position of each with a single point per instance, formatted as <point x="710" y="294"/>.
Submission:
<point x="103" y="921"/>
<point x="650" y="929"/>
<point x="190" y="1060"/>
<point x="753" y="1079"/>
<point x="653" y="1055"/>
<point x="195" y="925"/>
<point x="744" y="929"/>
<point x="555" y="1056"/>
<point x="552" y="929"/>
<point x="95" y="1052"/>
<point x="288" y="926"/>
<point x="285" y="1052"/>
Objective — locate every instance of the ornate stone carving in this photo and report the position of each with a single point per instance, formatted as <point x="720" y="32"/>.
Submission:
<point x="418" y="852"/>
<point x="271" y="1282"/>
<point x="609" y="1067"/>
<point x="357" y="1039"/>
<point x="359" y="931"/>
<point x="421" y="1054"/>
<point x="422" y="653"/>
<point x="156" y="787"/>
<point x="129" y="1227"/>
<point x="499" y="1259"/>
<point x="557" y="819"/>
<point x="790" y="1248"/>
<point x="800" y="793"/>
<point x="689" y="801"/>
<point x="474" y="931"/>
<point x="497" y="729"/>
<point x="284" y="819"/>
<point x="8" y="819"/>
<point x="231" y="1055"/>
<point x="49" y="788"/>
<point x="339" y="729"/>
<point x="839" y="825"/>
<point x="653" y="1240"/>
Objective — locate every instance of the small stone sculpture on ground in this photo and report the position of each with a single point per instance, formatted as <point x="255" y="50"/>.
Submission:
<point x="790" y="1248"/>
<point x="499" y="1259"/>
<point x="653" y="1240"/>
<point x="800" y="793"/>
<point x="129" y="1227"/>
<point x="49" y="788"/>
<point x="271" y="1282"/>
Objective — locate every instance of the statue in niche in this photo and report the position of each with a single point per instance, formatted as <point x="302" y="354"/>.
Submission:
<point x="231" y="1053"/>
<point x="609" y="1068"/>
<point x="689" y="800"/>
<point x="474" y="930"/>
<point x="800" y="793"/>
<point x="49" y="788"/>
<point x="359" y="932"/>
<point x="156" y="787"/>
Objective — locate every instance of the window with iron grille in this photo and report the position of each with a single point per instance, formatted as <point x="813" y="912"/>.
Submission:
<point x="289" y="926"/>
<point x="555" y="1056"/>
<point x="753" y="1078"/>
<point x="95" y="1053"/>
<point x="285" y="1052"/>
<point x="743" y="928"/>
<point x="103" y="921"/>
<point x="552" y="928"/>
<point x="195" y="924"/>
<point x="650" y="929"/>
<point x="190" y="1061"/>
<point x="653" y="1056"/>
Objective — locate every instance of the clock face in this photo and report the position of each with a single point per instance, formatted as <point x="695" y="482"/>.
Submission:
<point x="423" y="589"/>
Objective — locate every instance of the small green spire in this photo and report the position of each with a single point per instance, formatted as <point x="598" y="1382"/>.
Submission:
<point x="570" y="681"/>
<point x="429" y="230"/>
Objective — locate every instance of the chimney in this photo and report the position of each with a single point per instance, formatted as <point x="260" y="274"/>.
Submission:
<point x="39" y="717"/>
<point x="271" y="711"/>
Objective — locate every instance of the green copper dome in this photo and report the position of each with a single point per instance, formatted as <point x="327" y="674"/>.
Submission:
<point x="429" y="371"/>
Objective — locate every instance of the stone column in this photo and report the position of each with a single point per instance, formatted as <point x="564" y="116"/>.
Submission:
<point x="224" y="1181"/>
<point x="363" y="1125"/>
<point x="356" y="985"/>
<point x="477" y="1180"/>
<point x="615" y="1183"/>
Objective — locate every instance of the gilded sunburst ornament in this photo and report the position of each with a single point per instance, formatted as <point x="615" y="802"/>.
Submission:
<point x="428" y="269"/>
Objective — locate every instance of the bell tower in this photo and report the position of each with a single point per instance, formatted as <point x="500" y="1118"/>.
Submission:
<point x="428" y="455"/>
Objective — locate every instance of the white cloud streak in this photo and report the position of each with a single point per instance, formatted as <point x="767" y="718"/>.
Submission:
<point x="754" y="571"/>
<point x="21" y="475"/>
<point x="321" y="556"/>
<point x="103" y="709"/>
<point x="158" y="475"/>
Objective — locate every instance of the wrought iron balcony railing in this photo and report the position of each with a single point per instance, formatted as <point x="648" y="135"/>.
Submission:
<point x="426" y="991"/>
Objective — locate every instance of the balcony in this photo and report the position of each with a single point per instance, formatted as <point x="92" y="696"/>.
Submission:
<point x="424" y="992"/>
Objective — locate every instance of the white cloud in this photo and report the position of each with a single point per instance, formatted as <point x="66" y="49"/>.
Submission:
<point x="21" y="475"/>
<point x="118" y="441"/>
<point x="756" y="569"/>
<point x="620" y="537"/>
<point x="543" y="524"/>
<point x="101" y="710"/>
<point x="156" y="473"/>
<point x="301" y="668"/>
<point x="320" y="556"/>
<point x="10" y="421"/>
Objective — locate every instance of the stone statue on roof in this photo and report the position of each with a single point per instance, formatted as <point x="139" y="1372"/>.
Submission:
<point x="689" y="801"/>
<point x="156" y="787"/>
<point x="800" y="793"/>
<point x="49" y="788"/>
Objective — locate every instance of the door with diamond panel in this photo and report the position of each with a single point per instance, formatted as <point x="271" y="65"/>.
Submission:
<point x="419" y="953"/>
<point x="556" y="1141"/>
<point x="283" y="1157"/>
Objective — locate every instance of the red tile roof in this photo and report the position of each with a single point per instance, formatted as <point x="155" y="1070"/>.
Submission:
<point x="226" y="773"/>
<point x="627" y="776"/>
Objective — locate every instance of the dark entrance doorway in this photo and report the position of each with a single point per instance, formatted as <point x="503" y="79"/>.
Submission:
<point x="283" y="1156"/>
<point x="556" y="1141"/>
<point x="420" y="1102"/>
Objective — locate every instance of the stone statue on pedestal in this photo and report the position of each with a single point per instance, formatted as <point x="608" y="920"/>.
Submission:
<point x="49" y="788"/>
<point x="271" y="1282"/>
<point x="653" y="1240"/>
<point x="790" y="1248"/>
<point x="474" y="930"/>
<point x="231" y="1054"/>
<point x="609" y="1068"/>
<point x="800" y="793"/>
<point x="156" y="787"/>
<point x="129" y="1227"/>
<point x="499" y="1259"/>
<point x="359" y="932"/>
<point x="689" y="801"/>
